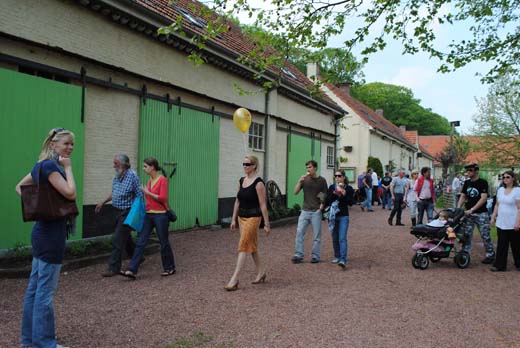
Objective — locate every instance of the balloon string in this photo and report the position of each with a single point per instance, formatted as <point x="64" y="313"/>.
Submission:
<point x="244" y="137"/>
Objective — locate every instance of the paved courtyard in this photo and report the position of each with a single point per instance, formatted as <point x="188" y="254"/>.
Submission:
<point x="379" y="301"/>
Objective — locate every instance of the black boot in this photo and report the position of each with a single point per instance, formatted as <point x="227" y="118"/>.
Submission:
<point x="414" y="221"/>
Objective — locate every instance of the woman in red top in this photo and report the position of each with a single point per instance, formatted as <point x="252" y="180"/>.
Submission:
<point x="156" y="195"/>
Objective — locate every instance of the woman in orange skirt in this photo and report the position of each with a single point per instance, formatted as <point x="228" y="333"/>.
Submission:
<point x="249" y="207"/>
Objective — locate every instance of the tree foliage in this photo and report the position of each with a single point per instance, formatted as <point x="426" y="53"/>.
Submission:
<point x="490" y="28"/>
<point x="497" y="121"/>
<point x="337" y="65"/>
<point x="375" y="164"/>
<point x="401" y="108"/>
<point x="454" y="154"/>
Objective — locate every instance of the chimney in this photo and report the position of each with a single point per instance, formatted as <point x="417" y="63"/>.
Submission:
<point x="403" y="129"/>
<point x="312" y="71"/>
<point x="380" y="112"/>
<point x="344" y="86"/>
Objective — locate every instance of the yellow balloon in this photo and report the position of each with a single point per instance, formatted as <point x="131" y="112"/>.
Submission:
<point x="242" y="119"/>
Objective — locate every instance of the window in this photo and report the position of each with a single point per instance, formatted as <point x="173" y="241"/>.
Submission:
<point x="191" y="18"/>
<point x="289" y="73"/>
<point x="256" y="136"/>
<point x="330" y="156"/>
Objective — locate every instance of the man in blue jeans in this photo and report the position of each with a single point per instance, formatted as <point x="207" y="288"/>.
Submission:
<point x="314" y="194"/>
<point x="367" y="182"/>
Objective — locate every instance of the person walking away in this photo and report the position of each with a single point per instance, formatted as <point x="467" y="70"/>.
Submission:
<point x="314" y="194"/>
<point x="339" y="196"/>
<point x="398" y="190"/>
<point x="412" y="196"/>
<point x="48" y="241"/>
<point x="425" y="195"/>
<point x="474" y="197"/>
<point x="367" y="182"/>
<point x="156" y="196"/>
<point x="506" y="216"/>
<point x="387" y="196"/>
<point x="250" y="206"/>
<point x="125" y="188"/>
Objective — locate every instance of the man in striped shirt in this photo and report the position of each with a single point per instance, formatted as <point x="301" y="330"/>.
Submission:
<point x="125" y="188"/>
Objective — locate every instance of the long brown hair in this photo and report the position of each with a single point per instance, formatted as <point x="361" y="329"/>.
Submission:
<point x="342" y="172"/>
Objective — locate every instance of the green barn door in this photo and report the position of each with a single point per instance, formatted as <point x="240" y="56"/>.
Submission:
<point x="300" y="149"/>
<point x="29" y="108"/>
<point x="186" y="141"/>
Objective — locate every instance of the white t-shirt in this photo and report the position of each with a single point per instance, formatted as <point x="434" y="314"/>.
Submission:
<point x="507" y="209"/>
<point x="374" y="179"/>
<point x="425" y="193"/>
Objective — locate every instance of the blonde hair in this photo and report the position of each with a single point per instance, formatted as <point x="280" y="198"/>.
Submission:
<point x="55" y="135"/>
<point x="253" y="160"/>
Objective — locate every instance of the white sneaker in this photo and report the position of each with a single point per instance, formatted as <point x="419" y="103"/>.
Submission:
<point x="334" y="261"/>
<point x="60" y="346"/>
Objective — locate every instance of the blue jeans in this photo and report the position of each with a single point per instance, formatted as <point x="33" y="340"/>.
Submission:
<point x="387" y="198"/>
<point x="339" y="238"/>
<point x="161" y="224"/>
<point x="422" y="205"/>
<point x="38" y="309"/>
<point x="367" y="203"/>
<point x="309" y="218"/>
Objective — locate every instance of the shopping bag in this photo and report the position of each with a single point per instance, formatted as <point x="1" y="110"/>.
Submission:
<point x="135" y="218"/>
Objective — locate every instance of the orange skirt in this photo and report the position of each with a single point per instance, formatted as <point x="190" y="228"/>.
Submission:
<point x="248" y="234"/>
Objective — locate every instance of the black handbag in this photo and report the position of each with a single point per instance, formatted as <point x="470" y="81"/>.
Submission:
<point x="42" y="202"/>
<point x="172" y="216"/>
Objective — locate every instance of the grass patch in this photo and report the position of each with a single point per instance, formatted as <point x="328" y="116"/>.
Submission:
<point x="198" y="340"/>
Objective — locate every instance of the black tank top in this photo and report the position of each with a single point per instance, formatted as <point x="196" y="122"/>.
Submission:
<point x="248" y="198"/>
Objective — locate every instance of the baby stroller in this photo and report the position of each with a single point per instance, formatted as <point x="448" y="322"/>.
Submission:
<point x="433" y="243"/>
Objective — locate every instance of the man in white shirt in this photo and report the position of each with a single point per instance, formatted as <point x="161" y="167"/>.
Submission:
<point x="375" y="187"/>
<point x="456" y="187"/>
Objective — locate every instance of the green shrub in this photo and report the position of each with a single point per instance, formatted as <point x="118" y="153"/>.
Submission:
<point x="375" y="164"/>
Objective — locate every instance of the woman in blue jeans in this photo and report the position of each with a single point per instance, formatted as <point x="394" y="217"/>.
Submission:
<point x="156" y="195"/>
<point x="339" y="196"/>
<point x="48" y="241"/>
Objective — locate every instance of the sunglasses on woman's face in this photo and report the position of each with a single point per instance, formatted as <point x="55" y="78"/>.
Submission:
<point x="508" y="177"/>
<point x="247" y="164"/>
<point x="338" y="175"/>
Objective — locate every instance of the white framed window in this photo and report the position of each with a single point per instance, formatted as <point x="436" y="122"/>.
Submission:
<point x="256" y="136"/>
<point x="330" y="156"/>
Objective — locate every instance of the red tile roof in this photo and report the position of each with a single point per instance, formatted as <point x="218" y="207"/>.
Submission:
<point x="369" y="115"/>
<point x="436" y="143"/>
<point x="411" y="136"/>
<point x="234" y="39"/>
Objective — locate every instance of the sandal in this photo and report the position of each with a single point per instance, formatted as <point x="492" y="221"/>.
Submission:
<point x="168" y="273"/>
<point x="130" y="274"/>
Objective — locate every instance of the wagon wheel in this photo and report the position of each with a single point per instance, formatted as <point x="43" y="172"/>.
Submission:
<point x="274" y="195"/>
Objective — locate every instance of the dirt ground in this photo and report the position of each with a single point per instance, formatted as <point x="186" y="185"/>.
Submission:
<point x="379" y="301"/>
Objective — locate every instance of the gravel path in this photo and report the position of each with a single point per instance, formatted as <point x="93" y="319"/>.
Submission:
<point x="379" y="301"/>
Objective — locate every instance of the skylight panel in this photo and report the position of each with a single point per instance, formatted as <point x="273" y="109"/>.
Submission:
<point x="289" y="73"/>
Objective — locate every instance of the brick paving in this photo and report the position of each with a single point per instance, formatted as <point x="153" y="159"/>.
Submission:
<point x="379" y="301"/>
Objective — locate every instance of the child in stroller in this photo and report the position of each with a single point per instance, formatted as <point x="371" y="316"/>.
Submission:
<point x="436" y="240"/>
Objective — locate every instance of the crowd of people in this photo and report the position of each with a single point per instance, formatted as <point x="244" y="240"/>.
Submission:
<point x="250" y="211"/>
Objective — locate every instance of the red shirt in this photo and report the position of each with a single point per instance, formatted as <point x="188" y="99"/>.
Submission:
<point x="159" y="188"/>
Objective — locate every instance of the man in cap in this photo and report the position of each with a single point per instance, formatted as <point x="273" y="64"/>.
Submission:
<point x="474" y="194"/>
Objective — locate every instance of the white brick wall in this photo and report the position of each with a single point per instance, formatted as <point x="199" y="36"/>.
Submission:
<point x="111" y="127"/>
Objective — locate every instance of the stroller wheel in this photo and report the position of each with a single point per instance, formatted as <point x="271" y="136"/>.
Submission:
<point x="462" y="259"/>
<point x="423" y="262"/>
<point x="415" y="262"/>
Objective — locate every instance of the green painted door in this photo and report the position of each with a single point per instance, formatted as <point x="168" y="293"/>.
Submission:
<point x="300" y="149"/>
<point x="186" y="141"/>
<point x="29" y="108"/>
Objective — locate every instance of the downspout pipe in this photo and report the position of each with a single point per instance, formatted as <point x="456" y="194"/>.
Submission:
<point x="267" y="121"/>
